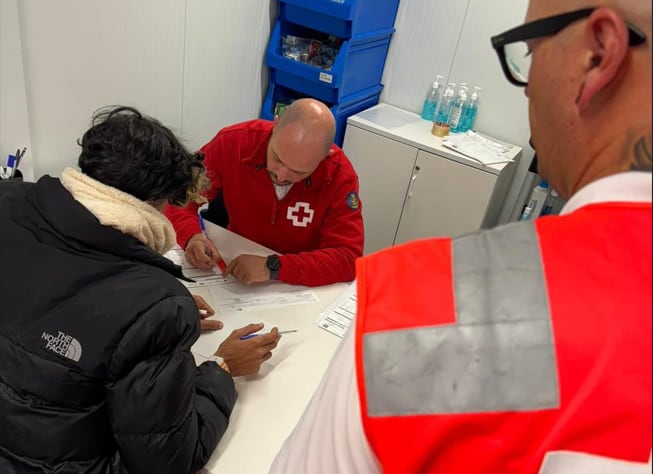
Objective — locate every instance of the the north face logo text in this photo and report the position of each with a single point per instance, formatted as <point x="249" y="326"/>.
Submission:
<point x="63" y="344"/>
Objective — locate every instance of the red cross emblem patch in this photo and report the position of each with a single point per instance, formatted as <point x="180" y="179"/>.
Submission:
<point x="300" y="214"/>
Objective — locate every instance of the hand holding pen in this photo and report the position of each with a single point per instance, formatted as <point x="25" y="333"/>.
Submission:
<point x="249" y="336"/>
<point x="245" y="356"/>
<point x="201" y="252"/>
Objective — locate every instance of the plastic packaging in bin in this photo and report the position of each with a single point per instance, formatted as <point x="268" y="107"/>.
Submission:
<point x="319" y="51"/>
<point x="358" y="64"/>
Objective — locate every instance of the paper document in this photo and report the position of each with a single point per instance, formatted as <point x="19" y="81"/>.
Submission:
<point x="201" y="277"/>
<point x="477" y="147"/>
<point x="339" y="315"/>
<point x="259" y="300"/>
<point x="230" y="295"/>
<point x="209" y="341"/>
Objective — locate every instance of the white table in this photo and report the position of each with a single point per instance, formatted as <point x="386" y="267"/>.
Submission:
<point x="270" y="403"/>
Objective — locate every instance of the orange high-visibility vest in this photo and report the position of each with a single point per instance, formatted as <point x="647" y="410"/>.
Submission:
<point x="484" y="353"/>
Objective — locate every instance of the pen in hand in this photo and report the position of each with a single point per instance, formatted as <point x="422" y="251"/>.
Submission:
<point x="220" y="263"/>
<point x="249" y="336"/>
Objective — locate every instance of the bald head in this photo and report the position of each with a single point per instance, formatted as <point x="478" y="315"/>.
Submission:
<point x="309" y="121"/>
<point x="635" y="11"/>
<point x="301" y="139"/>
<point x="589" y="91"/>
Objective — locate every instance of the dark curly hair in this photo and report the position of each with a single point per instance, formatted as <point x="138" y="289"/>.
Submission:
<point x="136" y="154"/>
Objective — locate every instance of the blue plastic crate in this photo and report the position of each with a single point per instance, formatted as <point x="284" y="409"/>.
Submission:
<point x="341" y="111"/>
<point x="343" y="18"/>
<point x="358" y="65"/>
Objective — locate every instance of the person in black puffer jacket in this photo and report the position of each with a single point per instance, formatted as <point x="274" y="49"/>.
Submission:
<point x="96" y="373"/>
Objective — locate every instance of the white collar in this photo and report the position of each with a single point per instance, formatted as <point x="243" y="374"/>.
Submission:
<point x="630" y="186"/>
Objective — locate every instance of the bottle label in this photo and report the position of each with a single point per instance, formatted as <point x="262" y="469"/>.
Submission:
<point x="454" y="118"/>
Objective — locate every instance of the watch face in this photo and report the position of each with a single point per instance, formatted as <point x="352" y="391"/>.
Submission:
<point x="274" y="263"/>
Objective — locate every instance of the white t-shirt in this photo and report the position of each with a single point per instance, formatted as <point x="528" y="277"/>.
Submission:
<point x="329" y="437"/>
<point x="282" y="191"/>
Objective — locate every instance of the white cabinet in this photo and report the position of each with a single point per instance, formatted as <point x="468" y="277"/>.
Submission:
<point x="412" y="187"/>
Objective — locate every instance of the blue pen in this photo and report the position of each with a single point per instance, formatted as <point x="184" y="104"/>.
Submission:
<point x="249" y="336"/>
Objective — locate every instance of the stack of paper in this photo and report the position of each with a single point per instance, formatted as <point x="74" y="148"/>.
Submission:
<point x="477" y="147"/>
<point x="339" y="315"/>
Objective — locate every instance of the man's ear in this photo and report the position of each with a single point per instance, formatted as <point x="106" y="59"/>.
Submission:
<point x="606" y="42"/>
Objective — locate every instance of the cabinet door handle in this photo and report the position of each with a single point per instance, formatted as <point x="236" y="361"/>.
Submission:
<point x="412" y="181"/>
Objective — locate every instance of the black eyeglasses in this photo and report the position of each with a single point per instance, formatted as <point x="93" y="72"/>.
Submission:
<point x="515" y="55"/>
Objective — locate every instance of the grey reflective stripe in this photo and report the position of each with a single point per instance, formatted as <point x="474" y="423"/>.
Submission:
<point x="499" y="356"/>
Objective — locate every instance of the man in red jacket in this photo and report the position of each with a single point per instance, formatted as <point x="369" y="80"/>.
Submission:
<point x="524" y="349"/>
<point x="286" y="186"/>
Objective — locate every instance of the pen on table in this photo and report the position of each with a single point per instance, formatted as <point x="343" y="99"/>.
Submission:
<point x="249" y="336"/>
<point x="220" y="263"/>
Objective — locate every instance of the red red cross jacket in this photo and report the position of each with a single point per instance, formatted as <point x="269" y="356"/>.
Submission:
<point x="317" y="226"/>
<point x="484" y="353"/>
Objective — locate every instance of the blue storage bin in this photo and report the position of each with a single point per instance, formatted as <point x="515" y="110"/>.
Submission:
<point x="343" y="18"/>
<point x="350" y="105"/>
<point x="358" y="65"/>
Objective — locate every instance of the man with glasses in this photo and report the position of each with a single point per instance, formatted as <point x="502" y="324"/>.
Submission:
<point x="286" y="186"/>
<point x="525" y="348"/>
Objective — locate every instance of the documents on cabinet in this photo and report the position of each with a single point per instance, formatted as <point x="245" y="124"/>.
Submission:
<point x="479" y="148"/>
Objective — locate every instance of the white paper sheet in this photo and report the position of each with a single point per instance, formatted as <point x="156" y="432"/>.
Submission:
<point x="339" y="314"/>
<point x="209" y="341"/>
<point x="477" y="147"/>
<point x="231" y="295"/>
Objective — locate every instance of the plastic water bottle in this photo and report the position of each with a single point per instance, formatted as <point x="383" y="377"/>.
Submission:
<point x="432" y="98"/>
<point x="527" y="213"/>
<point x="456" y="118"/>
<point x="470" y="110"/>
<point x="550" y="203"/>
<point x="538" y="197"/>
<point x="445" y="103"/>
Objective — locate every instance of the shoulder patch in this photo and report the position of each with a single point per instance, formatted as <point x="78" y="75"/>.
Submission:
<point x="352" y="201"/>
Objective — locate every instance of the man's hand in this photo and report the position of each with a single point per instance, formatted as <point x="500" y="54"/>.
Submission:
<point x="249" y="269"/>
<point x="206" y="324"/>
<point x="245" y="357"/>
<point x="202" y="253"/>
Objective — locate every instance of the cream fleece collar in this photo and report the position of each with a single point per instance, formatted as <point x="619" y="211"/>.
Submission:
<point x="120" y="210"/>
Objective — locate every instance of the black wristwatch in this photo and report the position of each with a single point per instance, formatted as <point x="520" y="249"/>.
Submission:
<point x="274" y="264"/>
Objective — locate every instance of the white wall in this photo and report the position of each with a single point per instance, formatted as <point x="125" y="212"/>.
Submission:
<point x="198" y="65"/>
<point x="453" y="39"/>
<point x="14" y="125"/>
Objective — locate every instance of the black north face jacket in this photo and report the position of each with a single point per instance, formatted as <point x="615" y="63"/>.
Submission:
<point x="96" y="374"/>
